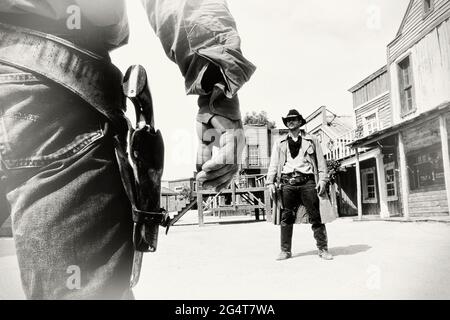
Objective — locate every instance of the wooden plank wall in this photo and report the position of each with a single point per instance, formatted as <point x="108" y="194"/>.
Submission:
<point x="382" y="104"/>
<point x="431" y="73"/>
<point x="415" y="24"/>
<point x="421" y="136"/>
<point x="430" y="203"/>
<point x="430" y="60"/>
<point x="371" y="90"/>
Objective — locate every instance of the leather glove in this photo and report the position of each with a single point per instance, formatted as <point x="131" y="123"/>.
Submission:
<point x="321" y="188"/>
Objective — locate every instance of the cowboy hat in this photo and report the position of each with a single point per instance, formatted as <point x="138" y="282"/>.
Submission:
<point x="294" y="114"/>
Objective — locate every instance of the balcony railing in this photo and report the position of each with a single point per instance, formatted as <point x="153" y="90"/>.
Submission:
<point x="251" y="181"/>
<point x="256" y="163"/>
<point x="338" y="148"/>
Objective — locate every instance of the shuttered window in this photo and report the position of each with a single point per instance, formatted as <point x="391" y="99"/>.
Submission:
<point x="253" y="156"/>
<point x="406" y="87"/>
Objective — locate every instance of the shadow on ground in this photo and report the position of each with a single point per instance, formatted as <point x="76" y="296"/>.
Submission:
<point x="338" y="251"/>
<point x="221" y="222"/>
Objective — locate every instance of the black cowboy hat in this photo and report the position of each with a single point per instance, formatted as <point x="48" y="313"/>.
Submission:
<point x="294" y="114"/>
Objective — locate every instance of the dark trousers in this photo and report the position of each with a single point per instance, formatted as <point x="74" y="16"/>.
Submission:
<point x="71" y="217"/>
<point x="293" y="197"/>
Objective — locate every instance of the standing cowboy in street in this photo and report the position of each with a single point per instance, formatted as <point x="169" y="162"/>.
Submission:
<point x="298" y="175"/>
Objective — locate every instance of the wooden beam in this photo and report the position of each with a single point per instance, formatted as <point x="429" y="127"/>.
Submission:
<point x="200" y="207"/>
<point x="233" y="194"/>
<point x="339" y="185"/>
<point x="358" y="185"/>
<point x="445" y="156"/>
<point x="384" y="209"/>
<point x="268" y="208"/>
<point x="404" y="176"/>
<point x="228" y="191"/>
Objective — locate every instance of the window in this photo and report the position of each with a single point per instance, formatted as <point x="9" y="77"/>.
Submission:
<point x="369" y="186"/>
<point x="426" y="169"/>
<point x="406" y="87"/>
<point x="370" y="122"/>
<point x="391" y="186"/>
<point x="253" y="156"/>
<point x="428" y="6"/>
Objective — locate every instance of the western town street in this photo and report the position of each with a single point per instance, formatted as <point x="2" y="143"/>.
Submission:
<point x="373" y="260"/>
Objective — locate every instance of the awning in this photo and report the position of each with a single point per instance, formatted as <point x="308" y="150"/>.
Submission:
<point x="376" y="136"/>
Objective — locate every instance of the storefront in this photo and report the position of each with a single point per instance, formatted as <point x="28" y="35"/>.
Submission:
<point x="416" y="167"/>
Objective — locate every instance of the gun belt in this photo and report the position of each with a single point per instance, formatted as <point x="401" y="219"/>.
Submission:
<point x="91" y="77"/>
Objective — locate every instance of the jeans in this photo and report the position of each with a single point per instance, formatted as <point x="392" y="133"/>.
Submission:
<point x="293" y="197"/>
<point x="71" y="217"/>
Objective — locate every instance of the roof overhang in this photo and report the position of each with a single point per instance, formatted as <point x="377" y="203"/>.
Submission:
<point x="368" y="79"/>
<point x="366" y="141"/>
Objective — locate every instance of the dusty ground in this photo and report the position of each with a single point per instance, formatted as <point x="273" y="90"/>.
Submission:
<point x="373" y="260"/>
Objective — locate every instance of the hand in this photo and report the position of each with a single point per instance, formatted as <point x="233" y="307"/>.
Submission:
<point x="218" y="170"/>
<point x="272" y="191"/>
<point x="321" y="188"/>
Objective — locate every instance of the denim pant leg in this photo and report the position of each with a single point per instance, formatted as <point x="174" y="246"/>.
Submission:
<point x="71" y="217"/>
<point x="311" y="201"/>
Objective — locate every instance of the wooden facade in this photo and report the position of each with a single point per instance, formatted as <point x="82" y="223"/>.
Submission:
<point x="423" y="41"/>
<point x="412" y="133"/>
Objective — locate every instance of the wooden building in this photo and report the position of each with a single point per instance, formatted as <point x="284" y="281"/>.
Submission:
<point x="170" y="200"/>
<point x="178" y="185"/>
<point x="412" y="137"/>
<point x="374" y="166"/>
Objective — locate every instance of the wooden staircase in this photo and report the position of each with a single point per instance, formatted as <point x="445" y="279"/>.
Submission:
<point x="428" y="204"/>
<point x="188" y="206"/>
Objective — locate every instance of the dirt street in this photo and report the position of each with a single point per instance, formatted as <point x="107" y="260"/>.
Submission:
<point x="373" y="260"/>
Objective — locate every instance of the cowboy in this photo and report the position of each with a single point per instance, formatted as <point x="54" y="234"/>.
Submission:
<point x="299" y="172"/>
<point x="61" y="110"/>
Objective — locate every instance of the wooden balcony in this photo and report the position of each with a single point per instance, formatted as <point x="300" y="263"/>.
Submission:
<point x="256" y="163"/>
<point x="338" y="148"/>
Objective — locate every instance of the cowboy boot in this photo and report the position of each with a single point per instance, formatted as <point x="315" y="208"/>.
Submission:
<point x="286" y="242"/>
<point x="320" y="234"/>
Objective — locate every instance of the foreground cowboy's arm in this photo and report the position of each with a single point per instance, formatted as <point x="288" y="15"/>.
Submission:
<point x="201" y="37"/>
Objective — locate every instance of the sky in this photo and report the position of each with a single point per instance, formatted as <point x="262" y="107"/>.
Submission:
<point x="307" y="53"/>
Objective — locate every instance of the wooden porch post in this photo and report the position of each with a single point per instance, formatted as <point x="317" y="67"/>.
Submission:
<point x="268" y="207"/>
<point x="339" y="203"/>
<point x="233" y="194"/>
<point x="358" y="185"/>
<point x="445" y="156"/>
<point x="200" y="206"/>
<point x="404" y="177"/>
<point x="384" y="209"/>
